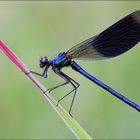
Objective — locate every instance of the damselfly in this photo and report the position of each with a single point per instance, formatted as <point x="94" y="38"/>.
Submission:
<point x="112" y="42"/>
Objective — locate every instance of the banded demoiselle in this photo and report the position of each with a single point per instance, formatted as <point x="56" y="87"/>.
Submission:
<point x="113" y="41"/>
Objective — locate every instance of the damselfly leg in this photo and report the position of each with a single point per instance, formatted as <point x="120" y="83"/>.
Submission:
<point x="74" y="90"/>
<point x="67" y="79"/>
<point x="44" y="75"/>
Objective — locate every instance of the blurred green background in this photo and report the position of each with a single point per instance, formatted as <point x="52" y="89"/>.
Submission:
<point x="34" y="29"/>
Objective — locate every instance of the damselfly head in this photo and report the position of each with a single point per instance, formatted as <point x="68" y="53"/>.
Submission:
<point x="44" y="62"/>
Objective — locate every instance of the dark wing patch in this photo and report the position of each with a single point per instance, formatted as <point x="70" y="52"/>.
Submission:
<point x="112" y="42"/>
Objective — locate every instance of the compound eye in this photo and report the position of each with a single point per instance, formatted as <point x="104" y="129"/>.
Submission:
<point x="43" y="62"/>
<point x="43" y="59"/>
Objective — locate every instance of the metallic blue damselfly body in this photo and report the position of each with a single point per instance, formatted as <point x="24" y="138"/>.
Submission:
<point x="113" y="41"/>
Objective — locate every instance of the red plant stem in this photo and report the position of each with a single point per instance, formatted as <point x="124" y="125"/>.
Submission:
<point x="23" y="68"/>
